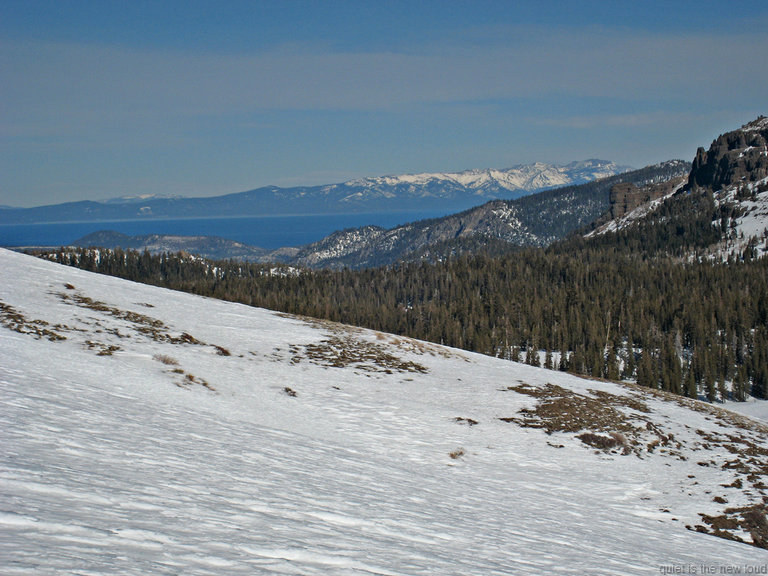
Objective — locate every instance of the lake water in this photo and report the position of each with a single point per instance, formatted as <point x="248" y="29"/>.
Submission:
<point x="264" y="231"/>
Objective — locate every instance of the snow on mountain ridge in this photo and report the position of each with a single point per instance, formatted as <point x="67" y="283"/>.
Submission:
<point x="760" y="123"/>
<point x="526" y="177"/>
<point x="151" y="431"/>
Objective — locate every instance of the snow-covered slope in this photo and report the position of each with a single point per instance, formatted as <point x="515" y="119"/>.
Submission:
<point x="748" y="228"/>
<point x="151" y="432"/>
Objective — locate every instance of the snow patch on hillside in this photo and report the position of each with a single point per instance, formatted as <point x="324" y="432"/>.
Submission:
<point x="748" y="231"/>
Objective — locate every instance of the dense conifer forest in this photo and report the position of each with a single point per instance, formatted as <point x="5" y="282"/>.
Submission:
<point x="621" y="306"/>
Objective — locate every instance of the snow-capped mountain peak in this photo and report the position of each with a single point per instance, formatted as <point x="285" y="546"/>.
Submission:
<point x="494" y="182"/>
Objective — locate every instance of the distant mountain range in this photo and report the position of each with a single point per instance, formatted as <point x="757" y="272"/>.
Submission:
<point x="533" y="220"/>
<point x="428" y="191"/>
<point x="715" y="207"/>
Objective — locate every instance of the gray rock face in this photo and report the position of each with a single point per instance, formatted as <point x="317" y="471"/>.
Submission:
<point x="734" y="157"/>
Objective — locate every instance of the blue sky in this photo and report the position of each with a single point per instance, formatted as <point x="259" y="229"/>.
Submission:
<point x="103" y="99"/>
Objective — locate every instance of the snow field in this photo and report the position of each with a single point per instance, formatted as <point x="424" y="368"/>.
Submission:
<point x="120" y="463"/>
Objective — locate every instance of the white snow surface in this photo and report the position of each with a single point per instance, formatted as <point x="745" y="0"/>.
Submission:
<point x="130" y="448"/>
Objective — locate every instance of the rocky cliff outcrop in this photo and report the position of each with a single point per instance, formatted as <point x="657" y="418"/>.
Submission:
<point x="626" y="196"/>
<point x="734" y="157"/>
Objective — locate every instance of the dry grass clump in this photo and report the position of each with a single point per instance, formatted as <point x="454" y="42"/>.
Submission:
<point x="609" y="442"/>
<point x="165" y="359"/>
<point x="103" y="349"/>
<point x="190" y="379"/>
<point x="562" y="410"/>
<point x="155" y="329"/>
<point x="456" y="454"/>
<point x="341" y="352"/>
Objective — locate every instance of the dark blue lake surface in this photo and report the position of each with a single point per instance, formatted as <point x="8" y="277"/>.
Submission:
<point x="263" y="231"/>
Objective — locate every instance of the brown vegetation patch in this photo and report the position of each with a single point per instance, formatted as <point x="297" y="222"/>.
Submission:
<point x="456" y="454"/>
<point x="343" y="351"/>
<point x="16" y="321"/>
<point x="191" y="379"/>
<point x="468" y="421"/>
<point x="602" y="442"/>
<point x="631" y="402"/>
<point x="102" y="349"/>
<point x="750" y="519"/>
<point x="155" y="329"/>
<point x="401" y="342"/>
<point x="165" y="359"/>
<point x="91" y="304"/>
<point x="607" y="421"/>
<point x="562" y="410"/>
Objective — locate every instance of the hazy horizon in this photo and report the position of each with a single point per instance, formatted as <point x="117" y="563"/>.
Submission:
<point x="115" y="99"/>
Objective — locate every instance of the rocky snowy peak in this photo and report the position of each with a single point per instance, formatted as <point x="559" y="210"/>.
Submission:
<point x="488" y="182"/>
<point x="735" y="158"/>
<point x="731" y="181"/>
<point x="146" y="431"/>
<point x="759" y="124"/>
